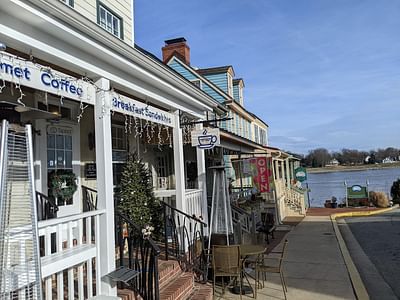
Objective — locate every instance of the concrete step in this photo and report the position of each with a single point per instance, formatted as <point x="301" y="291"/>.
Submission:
<point x="179" y="288"/>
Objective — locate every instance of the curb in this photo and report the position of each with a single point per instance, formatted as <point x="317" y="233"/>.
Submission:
<point x="362" y="213"/>
<point x="355" y="278"/>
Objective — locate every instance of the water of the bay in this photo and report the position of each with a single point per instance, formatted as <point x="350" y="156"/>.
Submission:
<point x="325" y="185"/>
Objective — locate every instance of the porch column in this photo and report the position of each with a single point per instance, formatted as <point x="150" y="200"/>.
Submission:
<point x="277" y="175"/>
<point x="288" y="183"/>
<point x="179" y="165"/>
<point x="283" y="171"/>
<point x="102" y="121"/>
<point x="201" y="177"/>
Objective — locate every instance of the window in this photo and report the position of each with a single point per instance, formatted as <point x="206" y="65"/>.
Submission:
<point x="59" y="155"/>
<point x="256" y="139"/>
<point x="68" y="2"/>
<point x="197" y="83"/>
<point x="118" y="138"/>
<point x="109" y="21"/>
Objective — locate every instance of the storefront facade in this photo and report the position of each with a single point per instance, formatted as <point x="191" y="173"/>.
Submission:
<point x="91" y="100"/>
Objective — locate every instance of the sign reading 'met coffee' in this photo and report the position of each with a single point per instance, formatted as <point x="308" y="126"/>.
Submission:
<point x="27" y="73"/>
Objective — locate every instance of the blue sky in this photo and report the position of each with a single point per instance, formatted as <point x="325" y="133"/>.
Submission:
<point x="321" y="73"/>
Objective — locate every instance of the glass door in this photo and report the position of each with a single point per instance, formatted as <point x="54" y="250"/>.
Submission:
<point x="62" y="174"/>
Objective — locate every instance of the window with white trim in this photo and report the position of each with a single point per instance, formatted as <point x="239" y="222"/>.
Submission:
<point x="197" y="82"/>
<point x="256" y="137"/>
<point x="119" y="138"/>
<point x="109" y="21"/>
<point x="68" y="2"/>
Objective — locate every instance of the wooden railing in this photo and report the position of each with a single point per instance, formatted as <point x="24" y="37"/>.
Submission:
<point x="140" y="254"/>
<point x="184" y="240"/>
<point x="295" y="198"/>
<point x="89" y="198"/>
<point x="69" y="246"/>
<point x="194" y="202"/>
<point x="46" y="207"/>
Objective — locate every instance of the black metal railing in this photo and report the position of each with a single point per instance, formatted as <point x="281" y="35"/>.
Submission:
<point x="89" y="198"/>
<point x="46" y="207"/>
<point x="140" y="254"/>
<point x="184" y="240"/>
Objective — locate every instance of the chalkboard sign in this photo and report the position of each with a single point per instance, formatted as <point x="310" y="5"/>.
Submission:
<point x="90" y="171"/>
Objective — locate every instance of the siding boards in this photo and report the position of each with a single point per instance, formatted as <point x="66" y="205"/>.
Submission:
<point x="236" y="93"/>
<point x="88" y="8"/>
<point x="211" y="92"/>
<point x="220" y="80"/>
<point x="178" y="67"/>
<point x="182" y="70"/>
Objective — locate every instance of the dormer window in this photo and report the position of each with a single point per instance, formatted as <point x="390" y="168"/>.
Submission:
<point x="109" y="20"/>
<point x="197" y="82"/>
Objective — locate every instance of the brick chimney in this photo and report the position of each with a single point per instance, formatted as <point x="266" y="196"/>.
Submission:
<point x="176" y="47"/>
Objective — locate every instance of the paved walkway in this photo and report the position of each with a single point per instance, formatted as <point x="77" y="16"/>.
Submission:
<point x="314" y="267"/>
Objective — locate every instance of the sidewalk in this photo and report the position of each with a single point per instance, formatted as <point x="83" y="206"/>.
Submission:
<point x="314" y="266"/>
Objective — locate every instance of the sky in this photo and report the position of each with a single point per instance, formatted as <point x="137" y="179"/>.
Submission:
<point x="320" y="73"/>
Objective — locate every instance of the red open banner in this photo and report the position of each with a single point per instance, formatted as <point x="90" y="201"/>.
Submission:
<point x="261" y="178"/>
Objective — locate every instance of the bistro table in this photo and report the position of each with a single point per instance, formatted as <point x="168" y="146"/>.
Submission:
<point x="245" y="252"/>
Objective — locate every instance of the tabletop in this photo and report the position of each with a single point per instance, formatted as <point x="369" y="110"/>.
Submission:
<point x="248" y="250"/>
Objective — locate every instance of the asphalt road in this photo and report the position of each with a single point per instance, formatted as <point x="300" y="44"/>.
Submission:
<point x="374" y="245"/>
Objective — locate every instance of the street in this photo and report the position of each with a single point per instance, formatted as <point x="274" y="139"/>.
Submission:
<point x="374" y="245"/>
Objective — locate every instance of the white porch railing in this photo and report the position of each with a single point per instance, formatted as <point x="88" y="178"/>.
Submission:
<point x="69" y="246"/>
<point x="295" y="199"/>
<point x="194" y="202"/>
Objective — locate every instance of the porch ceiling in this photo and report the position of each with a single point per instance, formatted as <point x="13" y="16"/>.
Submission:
<point x="47" y="34"/>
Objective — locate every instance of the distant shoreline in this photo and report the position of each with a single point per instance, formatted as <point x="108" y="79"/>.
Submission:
<point x="353" y="168"/>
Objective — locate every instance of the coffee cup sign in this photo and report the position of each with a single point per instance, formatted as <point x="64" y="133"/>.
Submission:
<point x="206" y="138"/>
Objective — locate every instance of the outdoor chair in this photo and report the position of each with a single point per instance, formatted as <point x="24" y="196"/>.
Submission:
<point x="226" y="262"/>
<point x="269" y="264"/>
<point x="267" y="225"/>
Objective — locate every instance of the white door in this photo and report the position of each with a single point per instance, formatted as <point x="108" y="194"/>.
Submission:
<point x="60" y="152"/>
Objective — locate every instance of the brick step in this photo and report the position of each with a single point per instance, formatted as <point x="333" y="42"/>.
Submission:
<point x="179" y="288"/>
<point x="201" y="292"/>
<point x="127" y="294"/>
<point x="167" y="271"/>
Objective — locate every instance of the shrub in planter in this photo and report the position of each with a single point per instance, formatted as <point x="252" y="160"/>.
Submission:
<point x="379" y="199"/>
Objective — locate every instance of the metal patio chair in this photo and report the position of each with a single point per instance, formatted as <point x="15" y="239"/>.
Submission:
<point x="264" y="268"/>
<point x="226" y="262"/>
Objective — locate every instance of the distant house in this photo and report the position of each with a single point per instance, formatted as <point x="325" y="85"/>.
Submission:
<point x="334" y="162"/>
<point x="388" y="160"/>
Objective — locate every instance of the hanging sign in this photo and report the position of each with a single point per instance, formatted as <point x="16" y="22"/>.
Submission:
<point x="300" y="173"/>
<point x="128" y="106"/>
<point x="259" y="168"/>
<point x="26" y="73"/>
<point x="263" y="172"/>
<point x="206" y="138"/>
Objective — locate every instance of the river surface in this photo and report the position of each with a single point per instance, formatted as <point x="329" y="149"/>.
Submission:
<point x="325" y="185"/>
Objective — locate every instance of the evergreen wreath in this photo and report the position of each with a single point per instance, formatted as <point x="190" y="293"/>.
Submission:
<point x="63" y="185"/>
